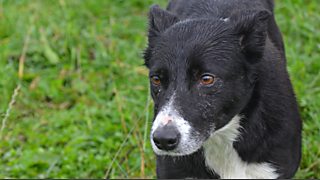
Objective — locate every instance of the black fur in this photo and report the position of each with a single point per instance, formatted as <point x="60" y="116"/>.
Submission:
<point x="247" y="57"/>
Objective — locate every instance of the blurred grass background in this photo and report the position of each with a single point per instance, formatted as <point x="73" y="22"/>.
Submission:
<point x="83" y="108"/>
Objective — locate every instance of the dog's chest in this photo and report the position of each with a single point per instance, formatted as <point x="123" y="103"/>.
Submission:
<point x="222" y="158"/>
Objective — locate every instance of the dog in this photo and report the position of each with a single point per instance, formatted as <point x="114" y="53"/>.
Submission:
<point x="224" y="106"/>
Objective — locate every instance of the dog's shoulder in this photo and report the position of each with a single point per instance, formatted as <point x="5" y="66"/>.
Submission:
<point x="215" y="8"/>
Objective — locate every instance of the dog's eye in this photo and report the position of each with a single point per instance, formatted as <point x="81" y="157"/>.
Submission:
<point x="207" y="79"/>
<point x="155" y="80"/>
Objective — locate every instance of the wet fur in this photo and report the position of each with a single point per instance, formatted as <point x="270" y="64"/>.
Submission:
<point x="271" y="129"/>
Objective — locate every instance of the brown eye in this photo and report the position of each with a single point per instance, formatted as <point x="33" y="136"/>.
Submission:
<point x="155" y="80"/>
<point x="207" y="79"/>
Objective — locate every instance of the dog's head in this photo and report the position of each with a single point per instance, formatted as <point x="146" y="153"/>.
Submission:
<point x="202" y="74"/>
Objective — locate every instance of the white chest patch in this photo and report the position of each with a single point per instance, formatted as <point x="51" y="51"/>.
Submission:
<point x="223" y="159"/>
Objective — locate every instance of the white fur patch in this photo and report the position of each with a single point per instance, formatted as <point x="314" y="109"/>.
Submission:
<point x="188" y="142"/>
<point x="225" y="19"/>
<point x="223" y="159"/>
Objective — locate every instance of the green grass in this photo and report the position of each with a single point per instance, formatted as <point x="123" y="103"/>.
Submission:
<point x="83" y="104"/>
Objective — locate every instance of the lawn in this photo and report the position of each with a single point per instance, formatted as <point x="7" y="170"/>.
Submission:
<point x="74" y="92"/>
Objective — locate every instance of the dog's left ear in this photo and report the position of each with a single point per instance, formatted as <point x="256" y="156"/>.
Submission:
<point x="252" y="27"/>
<point x="159" y="21"/>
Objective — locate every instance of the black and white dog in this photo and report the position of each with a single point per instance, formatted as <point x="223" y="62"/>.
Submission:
<point x="224" y="104"/>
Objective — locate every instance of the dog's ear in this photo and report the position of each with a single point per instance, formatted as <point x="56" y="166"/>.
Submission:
<point x="252" y="27"/>
<point x="159" y="21"/>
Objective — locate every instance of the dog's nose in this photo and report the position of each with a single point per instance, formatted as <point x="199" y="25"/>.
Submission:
<point x="166" y="137"/>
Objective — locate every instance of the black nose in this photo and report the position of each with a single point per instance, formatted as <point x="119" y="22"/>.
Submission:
<point x="166" y="137"/>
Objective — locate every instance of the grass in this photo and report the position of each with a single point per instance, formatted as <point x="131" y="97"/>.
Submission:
<point x="83" y="106"/>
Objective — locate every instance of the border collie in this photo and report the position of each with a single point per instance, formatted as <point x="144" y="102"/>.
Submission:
<point x="224" y="106"/>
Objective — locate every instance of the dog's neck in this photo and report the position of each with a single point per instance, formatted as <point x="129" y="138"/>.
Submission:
<point x="222" y="158"/>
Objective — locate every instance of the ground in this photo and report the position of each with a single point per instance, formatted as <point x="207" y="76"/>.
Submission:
<point x="82" y="107"/>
